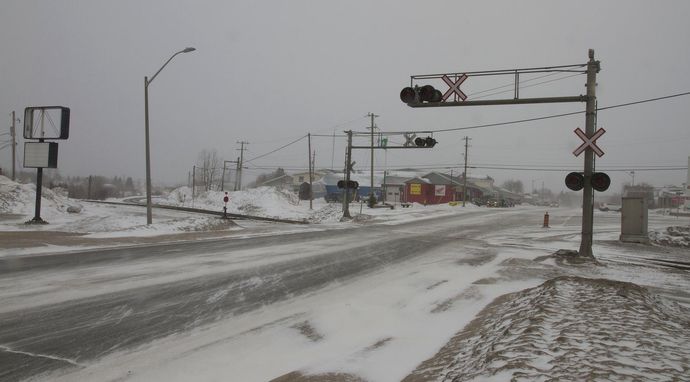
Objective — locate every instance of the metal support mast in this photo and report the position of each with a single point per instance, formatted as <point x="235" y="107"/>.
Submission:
<point x="464" y="176"/>
<point x="371" y="189"/>
<point x="588" y="194"/>
<point x="311" y="207"/>
<point x="13" y="132"/>
<point x="348" y="168"/>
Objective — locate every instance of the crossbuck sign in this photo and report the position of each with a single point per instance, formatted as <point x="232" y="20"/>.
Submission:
<point x="454" y="87"/>
<point x="589" y="142"/>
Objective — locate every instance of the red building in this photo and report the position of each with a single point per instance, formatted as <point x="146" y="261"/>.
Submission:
<point x="436" y="188"/>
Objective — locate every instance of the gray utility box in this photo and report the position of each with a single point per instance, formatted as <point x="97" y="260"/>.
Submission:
<point x="634" y="220"/>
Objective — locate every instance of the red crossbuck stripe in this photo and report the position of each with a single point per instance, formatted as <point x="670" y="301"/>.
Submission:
<point x="454" y="87"/>
<point x="589" y="142"/>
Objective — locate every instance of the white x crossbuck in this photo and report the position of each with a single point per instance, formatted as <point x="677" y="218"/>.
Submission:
<point x="454" y="87"/>
<point x="589" y="142"/>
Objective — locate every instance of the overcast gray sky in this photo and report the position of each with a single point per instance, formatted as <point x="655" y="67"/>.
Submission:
<point x="268" y="72"/>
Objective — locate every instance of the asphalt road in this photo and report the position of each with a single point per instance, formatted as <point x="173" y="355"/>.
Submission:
<point x="62" y="310"/>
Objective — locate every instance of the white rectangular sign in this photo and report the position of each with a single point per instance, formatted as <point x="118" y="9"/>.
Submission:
<point x="40" y="154"/>
<point x="440" y="190"/>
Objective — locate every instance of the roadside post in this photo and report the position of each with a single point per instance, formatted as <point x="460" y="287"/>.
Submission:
<point x="226" y="199"/>
<point x="43" y="123"/>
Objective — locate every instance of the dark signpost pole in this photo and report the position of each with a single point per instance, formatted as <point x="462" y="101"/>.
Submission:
<point x="43" y="154"/>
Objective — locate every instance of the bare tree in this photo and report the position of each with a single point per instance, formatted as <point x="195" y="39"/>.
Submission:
<point x="513" y="186"/>
<point x="207" y="164"/>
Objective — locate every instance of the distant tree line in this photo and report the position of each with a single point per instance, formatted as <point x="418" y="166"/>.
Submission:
<point x="87" y="187"/>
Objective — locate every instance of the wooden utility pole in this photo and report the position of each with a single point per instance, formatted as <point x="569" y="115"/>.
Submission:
<point x="222" y="177"/>
<point x="237" y="173"/>
<point x="464" y="177"/>
<point x="240" y="165"/>
<point x="588" y="193"/>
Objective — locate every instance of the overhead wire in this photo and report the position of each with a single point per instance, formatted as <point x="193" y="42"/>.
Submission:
<point x="273" y="151"/>
<point x="560" y="115"/>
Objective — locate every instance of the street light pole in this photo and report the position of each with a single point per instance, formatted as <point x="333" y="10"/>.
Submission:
<point x="147" y="82"/>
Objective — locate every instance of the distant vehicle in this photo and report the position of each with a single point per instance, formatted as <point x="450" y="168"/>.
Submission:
<point x="609" y="207"/>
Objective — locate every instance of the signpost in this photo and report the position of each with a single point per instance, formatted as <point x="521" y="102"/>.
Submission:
<point x="41" y="123"/>
<point x="226" y="199"/>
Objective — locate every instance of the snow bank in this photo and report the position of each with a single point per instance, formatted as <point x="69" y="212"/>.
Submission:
<point x="675" y="236"/>
<point x="20" y="199"/>
<point x="569" y="328"/>
<point x="17" y="205"/>
<point x="262" y="201"/>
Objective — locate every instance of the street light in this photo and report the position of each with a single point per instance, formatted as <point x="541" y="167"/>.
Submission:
<point x="147" y="82"/>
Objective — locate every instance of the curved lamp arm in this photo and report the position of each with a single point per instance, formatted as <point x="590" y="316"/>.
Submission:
<point x="185" y="50"/>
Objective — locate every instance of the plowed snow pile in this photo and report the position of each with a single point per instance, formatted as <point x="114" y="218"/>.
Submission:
<point x="572" y="329"/>
<point x="676" y="236"/>
<point x="261" y="201"/>
<point x="17" y="198"/>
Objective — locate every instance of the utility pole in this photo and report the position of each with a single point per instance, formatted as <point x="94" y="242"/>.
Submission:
<point x="588" y="193"/>
<point x="222" y="177"/>
<point x="240" y="165"/>
<point x="237" y="172"/>
<point x="371" y="189"/>
<point x="310" y="169"/>
<point x="333" y="151"/>
<point x="464" y="177"/>
<point x="193" y="182"/>
<point x="13" y="131"/>
<point x="452" y="183"/>
<point x="348" y="168"/>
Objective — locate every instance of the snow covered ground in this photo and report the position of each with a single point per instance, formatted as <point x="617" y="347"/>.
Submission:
<point x="17" y="205"/>
<point x="493" y="305"/>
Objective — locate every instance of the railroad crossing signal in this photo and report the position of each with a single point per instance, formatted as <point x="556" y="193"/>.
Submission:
<point x="425" y="142"/>
<point x="576" y="181"/>
<point x="589" y="142"/>
<point x="454" y="87"/>
<point x="426" y="93"/>
<point x="600" y="181"/>
<point x="349" y="184"/>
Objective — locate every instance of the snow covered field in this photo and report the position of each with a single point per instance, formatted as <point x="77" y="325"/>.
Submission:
<point x="491" y="304"/>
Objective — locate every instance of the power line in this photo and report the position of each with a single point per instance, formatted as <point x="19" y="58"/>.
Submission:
<point x="278" y="149"/>
<point x="489" y="124"/>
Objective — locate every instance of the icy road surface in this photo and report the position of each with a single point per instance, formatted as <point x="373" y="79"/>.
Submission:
<point x="370" y="302"/>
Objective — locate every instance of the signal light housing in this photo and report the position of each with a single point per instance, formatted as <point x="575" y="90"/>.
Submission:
<point x="600" y="181"/>
<point x="426" y="93"/>
<point x="352" y="184"/>
<point x="425" y="142"/>
<point x="575" y="181"/>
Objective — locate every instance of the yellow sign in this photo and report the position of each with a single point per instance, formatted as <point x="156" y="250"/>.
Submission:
<point x="415" y="189"/>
